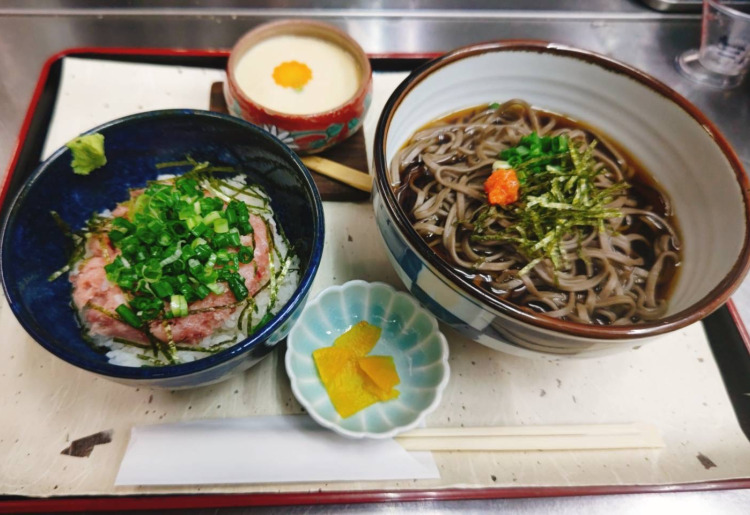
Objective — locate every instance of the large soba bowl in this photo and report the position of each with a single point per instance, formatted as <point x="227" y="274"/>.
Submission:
<point x="680" y="147"/>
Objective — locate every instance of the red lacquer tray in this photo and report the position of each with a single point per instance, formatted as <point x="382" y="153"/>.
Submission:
<point x="727" y="335"/>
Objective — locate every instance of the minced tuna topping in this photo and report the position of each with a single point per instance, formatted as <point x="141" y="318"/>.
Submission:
<point x="185" y="267"/>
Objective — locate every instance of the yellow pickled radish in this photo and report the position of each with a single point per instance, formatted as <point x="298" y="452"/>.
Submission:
<point x="381" y="370"/>
<point x="352" y="379"/>
<point x="361" y="338"/>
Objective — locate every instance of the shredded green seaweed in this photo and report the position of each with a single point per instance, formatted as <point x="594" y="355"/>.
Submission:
<point x="558" y="201"/>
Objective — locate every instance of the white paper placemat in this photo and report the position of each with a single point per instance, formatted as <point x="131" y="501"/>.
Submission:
<point x="280" y="449"/>
<point x="673" y="382"/>
<point x="92" y="94"/>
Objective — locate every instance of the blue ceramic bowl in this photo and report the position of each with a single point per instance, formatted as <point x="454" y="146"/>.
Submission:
<point x="409" y="334"/>
<point x="33" y="247"/>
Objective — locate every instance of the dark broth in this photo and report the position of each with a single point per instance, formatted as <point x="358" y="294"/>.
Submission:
<point x="649" y="194"/>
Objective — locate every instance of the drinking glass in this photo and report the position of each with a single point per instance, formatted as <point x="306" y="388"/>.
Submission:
<point x="724" y="55"/>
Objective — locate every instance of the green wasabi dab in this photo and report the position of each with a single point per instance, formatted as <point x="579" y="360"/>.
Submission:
<point x="88" y="153"/>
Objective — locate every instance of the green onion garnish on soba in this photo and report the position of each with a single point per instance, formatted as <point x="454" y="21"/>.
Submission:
<point x="558" y="200"/>
<point x="178" y="245"/>
<point x="533" y="153"/>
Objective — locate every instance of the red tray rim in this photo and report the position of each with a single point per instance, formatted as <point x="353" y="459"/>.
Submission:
<point x="195" y="501"/>
<point x="184" y="501"/>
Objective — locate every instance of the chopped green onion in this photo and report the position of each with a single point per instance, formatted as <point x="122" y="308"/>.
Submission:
<point x="186" y="212"/>
<point x="202" y="251"/>
<point x="198" y="241"/>
<point x="222" y="256"/>
<point x="211" y="217"/>
<point x="245" y="228"/>
<point x="151" y="271"/>
<point x="202" y="291"/>
<point x="187" y="291"/>
<point x="234" y="239"/>
<point x="162" y="289"/>
<point x="181" y="241"/>
<point x="238" y="288"/>
<point x="164" y="239"/>
<point x="178" y="305"/>
<point x="178" y="228"/>
<point x="145" y="235"/>
<point x="221" y="225"/>
<point x="178" y="266"/>
<point x="221" y="240"/>
<point x="199" y="229"/>
<point x="176" y="254"/>
<point x="245" y="254"/>
<point x="216" y="288"/>
<point x="127" y="316"/>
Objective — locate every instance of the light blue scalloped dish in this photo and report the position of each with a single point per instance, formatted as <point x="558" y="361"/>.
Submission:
<point x="410" y="335"/>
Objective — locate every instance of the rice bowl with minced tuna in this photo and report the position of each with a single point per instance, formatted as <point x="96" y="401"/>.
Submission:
<point x="184" y="268"/>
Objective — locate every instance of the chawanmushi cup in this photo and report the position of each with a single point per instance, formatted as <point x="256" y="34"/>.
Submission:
<point x="304" y="133"/>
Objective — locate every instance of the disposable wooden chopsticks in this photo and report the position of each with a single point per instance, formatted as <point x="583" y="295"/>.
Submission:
<point x="334" y="170"/>
<point x="533" y="438"/>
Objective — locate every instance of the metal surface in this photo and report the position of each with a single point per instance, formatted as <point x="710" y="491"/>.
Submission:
<point x="32" y="31"/>
<point x="453" y="6"/>
<point x="649" y="44"/>
<point x="690" y="6"/>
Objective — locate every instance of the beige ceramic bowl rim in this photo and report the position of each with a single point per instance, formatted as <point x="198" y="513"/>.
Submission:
<point x="706" y="305"/>
<point x="301" y="28"/>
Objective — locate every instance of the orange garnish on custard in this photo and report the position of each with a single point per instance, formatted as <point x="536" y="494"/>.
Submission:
<point x="502" y="187"/>
<point x="292" y="74"/>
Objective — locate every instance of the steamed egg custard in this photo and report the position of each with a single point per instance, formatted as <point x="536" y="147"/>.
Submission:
<point x="298" y="75"/>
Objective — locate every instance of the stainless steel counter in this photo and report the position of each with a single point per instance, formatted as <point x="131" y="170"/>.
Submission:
<point x="33" y="30"/>
<point x="632" y="33"/>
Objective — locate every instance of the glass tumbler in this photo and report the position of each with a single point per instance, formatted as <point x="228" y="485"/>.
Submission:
<point x="724" y="54"/>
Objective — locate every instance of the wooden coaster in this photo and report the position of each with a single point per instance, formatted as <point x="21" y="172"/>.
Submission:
<point x="350" y="152"/>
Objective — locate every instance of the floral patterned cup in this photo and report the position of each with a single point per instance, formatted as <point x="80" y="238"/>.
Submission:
<point x="303" y="133"/>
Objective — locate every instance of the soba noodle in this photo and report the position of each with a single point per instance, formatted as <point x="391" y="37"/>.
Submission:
<point x="618" y="272"/>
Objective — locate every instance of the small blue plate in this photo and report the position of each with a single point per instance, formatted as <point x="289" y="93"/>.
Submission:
<point x="409" y="334"/>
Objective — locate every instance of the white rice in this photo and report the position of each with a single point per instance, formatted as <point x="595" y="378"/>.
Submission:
<point x="284" y="278"/>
